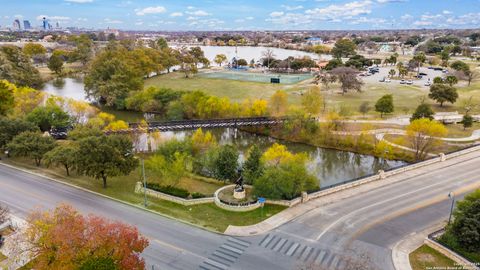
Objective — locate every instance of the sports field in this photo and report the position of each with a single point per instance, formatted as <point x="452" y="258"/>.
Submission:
<point x="256" y="77"/>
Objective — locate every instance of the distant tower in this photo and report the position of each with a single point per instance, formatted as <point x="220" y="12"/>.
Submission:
<point x="45" y="23"/>
<point x="57" y="25"/>
<point x="16" y="25"/>
<point x="27" y="25"/>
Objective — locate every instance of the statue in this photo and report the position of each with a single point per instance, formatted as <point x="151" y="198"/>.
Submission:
<point x="239" y="192"/>
<point x="239" y="182"/>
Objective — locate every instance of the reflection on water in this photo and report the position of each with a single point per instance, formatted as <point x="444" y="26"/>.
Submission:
<point x="66" y="87"/>
<point x="330" y="166"/>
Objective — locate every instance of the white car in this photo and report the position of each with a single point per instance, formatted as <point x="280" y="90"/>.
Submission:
<point x="388" y="80"/>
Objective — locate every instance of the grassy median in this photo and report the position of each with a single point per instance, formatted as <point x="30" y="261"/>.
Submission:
<point x="426" y="257"/>
<point x="204" y="215"/>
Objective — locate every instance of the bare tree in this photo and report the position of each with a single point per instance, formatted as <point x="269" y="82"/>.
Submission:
<point x="269" y="55"/>
<point x="348" y="79"/>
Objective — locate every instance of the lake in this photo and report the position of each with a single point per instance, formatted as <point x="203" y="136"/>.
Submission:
<point x="249" y="52"/>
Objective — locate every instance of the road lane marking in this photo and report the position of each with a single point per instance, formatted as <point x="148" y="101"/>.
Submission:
<point x="333" y="224"/>
<point x="2" y="183"/>
<point x="181" y="250"/>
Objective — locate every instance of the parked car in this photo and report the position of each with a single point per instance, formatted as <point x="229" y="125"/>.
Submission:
<point x="445" y="71"/>
<point x="428" y="83"/>
<point x="387" y="80"/>
<point x="423" y="74"/>
<point x="382" y="79"/>
<point x="403" y="82"/>
<point x="409" y="82"/>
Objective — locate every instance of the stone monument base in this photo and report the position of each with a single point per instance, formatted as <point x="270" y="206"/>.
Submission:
<point x="239" y="194"/>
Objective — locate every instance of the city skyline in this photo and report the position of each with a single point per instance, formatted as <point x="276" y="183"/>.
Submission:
<point x="247" y="15"/>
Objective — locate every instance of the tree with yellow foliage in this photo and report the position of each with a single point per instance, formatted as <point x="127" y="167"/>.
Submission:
<point x="312" y="101"/>
<point x="278" y="154"/>
<point x="278" y="103"/>
<point x="202" y="141"/>
<point x="116" y="126"/>
<point x="423" y="136"/>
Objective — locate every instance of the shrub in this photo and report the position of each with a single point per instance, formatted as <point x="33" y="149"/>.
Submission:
<point x="170" y="190"/>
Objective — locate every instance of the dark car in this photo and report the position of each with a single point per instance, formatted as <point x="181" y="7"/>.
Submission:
<point x="422" y="74"/>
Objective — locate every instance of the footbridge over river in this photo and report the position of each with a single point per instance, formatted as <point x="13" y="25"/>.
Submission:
<point x="153" y="126"/>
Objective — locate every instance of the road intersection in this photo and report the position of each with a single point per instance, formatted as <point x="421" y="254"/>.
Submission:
<point x="366" y="221"/>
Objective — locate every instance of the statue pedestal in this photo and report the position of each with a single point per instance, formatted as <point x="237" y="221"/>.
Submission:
<point x="239" y="194"/>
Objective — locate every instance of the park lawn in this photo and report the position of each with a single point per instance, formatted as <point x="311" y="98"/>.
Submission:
<point x="457" y="130"/>
<point x="237" y="91"/>
<point x="406" y="98"/>
<point x="122" y="188"/>
<point x="444" y="147"/>
<point x="426" y="257"/>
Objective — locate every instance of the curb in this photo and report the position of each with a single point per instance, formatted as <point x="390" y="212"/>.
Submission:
<point x="401" y="250"/>
<point x="108" y="197"/>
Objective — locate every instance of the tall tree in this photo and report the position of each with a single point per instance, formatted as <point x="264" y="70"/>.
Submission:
<point x="312" y="100"/>
<point x="63" y="155"/>
<point x="65" y="239"/>
<point x="11" y="127"/>
<point x="253" y="167"/>
<point x="348" y="79"/>
<point x="419" y="59"/>
<point x="278" y="103"/>
<point x="6" y="97"/>
<point x="32" y="145"/>
<point x="17" y="68"/>
<point x="55" y="64"/>
<point x="384" y="105"/>
<point x="422" y="134"/>
<point x="220" y="59"/>
<point x="442" y="93"/>
<point x="226" y="163"/>
<point x="105" y="156"/>
<point x="423" y="111"/>
<point x="112" y="75"/>
<point x="344" y="48"/>
<point x="48" y="117"/>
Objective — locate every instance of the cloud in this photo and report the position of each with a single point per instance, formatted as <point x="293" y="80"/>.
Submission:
<point x="111" y="21"/>
<point x="291" y="8"/>
<point x="176" y="14"/>
<point x="53" y="18"/>
<point x="79" y="1"/>
<point x="342" y="11"/>
<point x="277" y="14"/>
<point x="391" y="1"/>
<point x="150" y="10"/>
<point x="199" y="13"/>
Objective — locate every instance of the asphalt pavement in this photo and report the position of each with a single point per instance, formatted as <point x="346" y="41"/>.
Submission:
<point x="367" y="223"/>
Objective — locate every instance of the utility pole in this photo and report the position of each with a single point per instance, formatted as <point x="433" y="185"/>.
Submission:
<point x="451" y="195"/>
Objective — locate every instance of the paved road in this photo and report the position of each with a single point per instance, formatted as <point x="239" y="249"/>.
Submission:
<point x="368" y="221"/>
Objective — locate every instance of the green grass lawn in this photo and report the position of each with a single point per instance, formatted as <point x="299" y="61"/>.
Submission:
<point x="235" y="90"/>
<point x="406" y="98"/>
<point x="204" y="215"/>
<point x="426" y="257"/>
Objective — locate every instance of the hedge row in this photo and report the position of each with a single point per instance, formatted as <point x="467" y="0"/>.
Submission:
<point x="174" y="191"/>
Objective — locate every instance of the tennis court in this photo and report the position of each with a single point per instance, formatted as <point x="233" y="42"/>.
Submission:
<point x="256" y="77"/>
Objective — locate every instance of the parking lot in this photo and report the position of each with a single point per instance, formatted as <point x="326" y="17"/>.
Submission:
<point x="383" y="73"/>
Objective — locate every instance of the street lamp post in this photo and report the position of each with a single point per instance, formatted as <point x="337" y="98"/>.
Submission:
<point x="451" y="195"/>
<point x="144" y="184"/>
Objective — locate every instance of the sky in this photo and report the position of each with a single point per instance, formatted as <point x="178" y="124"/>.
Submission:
<point x="183" y="15"/>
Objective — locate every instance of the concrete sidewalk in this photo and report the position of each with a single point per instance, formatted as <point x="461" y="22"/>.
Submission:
<point x="401" y="251"/>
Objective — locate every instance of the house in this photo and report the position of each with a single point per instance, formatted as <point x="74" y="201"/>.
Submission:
<point x="313" y="41"/>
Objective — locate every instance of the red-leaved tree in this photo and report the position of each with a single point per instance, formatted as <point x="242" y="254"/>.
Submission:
<point x="65" y="239"/>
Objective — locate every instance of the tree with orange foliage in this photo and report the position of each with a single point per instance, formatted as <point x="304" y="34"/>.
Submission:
<point x="65" y="239"/>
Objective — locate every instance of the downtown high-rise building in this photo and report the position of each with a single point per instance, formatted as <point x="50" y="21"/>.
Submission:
<point x="16" y="25"/>
<point x="27" y="25"/>
<point x="45" y="24"/>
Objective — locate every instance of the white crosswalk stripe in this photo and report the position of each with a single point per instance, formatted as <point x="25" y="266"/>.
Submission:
<point x="303" y="253"/>
<point x="226" y="255"/>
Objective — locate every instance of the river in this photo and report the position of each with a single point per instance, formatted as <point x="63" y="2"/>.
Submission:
<point x="330" y="166"/>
